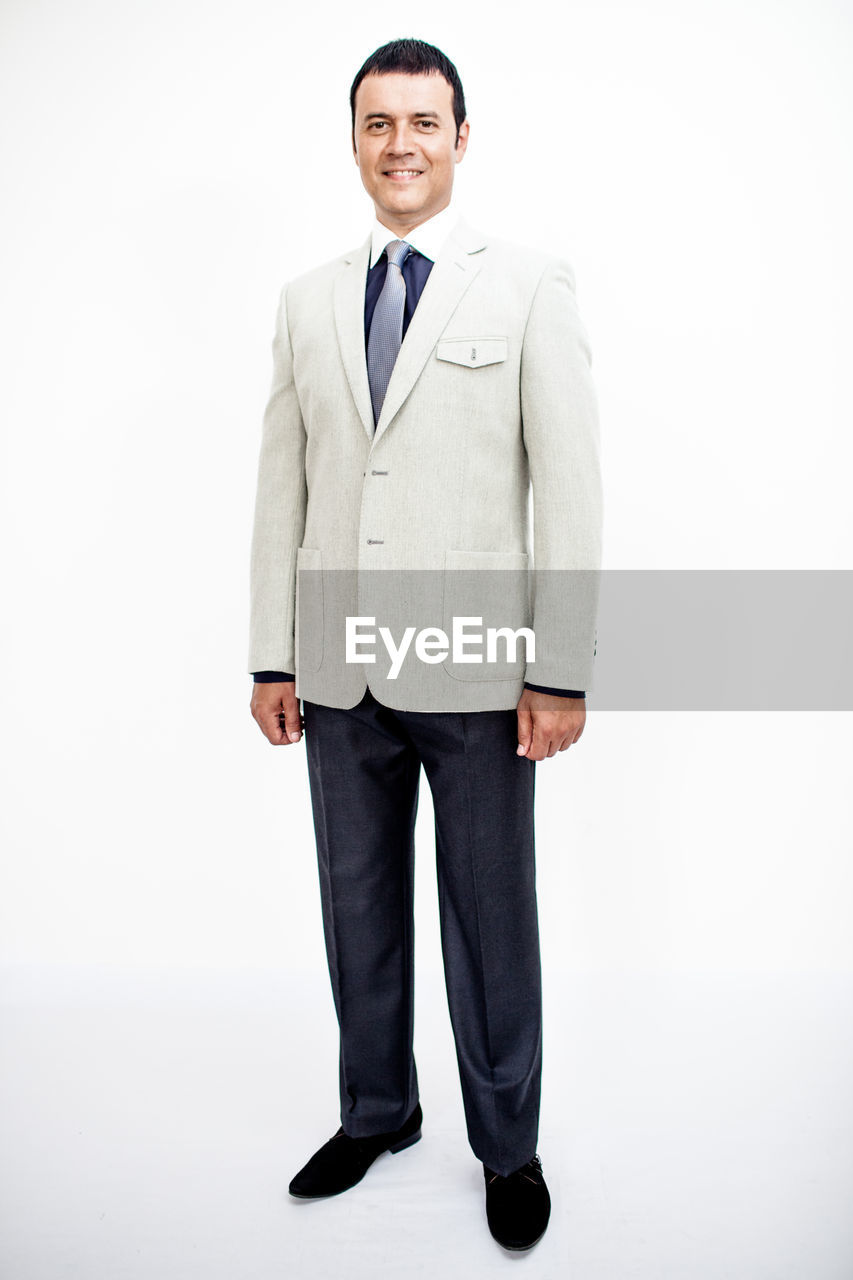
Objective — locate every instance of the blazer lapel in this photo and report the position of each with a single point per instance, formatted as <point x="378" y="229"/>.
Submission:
<point x="453" y="271"/>
<point x="349" y="322"/>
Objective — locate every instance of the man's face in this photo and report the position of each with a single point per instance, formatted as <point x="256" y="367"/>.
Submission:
<point x="404" y="142"/>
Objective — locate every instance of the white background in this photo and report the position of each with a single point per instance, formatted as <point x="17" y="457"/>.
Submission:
<point x="171" y="1049"/>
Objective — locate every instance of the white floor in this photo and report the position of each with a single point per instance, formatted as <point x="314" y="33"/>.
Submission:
<point x="693" y="1128"/>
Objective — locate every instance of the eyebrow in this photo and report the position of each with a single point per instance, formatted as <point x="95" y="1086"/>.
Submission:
<point x="385" y="115"/>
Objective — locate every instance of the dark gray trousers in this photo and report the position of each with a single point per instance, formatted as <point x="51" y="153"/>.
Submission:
<point x="364" y="770"/>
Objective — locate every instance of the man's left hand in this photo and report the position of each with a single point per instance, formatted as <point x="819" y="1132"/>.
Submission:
<point x="548" y="724"/>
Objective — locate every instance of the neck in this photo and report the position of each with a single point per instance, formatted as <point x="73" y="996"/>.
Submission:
<point x="402" y="224"/>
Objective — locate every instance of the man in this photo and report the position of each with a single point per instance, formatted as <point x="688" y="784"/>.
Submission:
<point x="422" y="383"/>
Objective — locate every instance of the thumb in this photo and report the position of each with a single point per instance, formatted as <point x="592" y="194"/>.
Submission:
<point x="292" y="723"/>
<point x="525" y="731"/>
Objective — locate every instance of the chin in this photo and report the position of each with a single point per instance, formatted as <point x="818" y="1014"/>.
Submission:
<point x="405" y="206"/>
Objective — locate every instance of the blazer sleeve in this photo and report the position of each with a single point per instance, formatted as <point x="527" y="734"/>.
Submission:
<point x="279" y="519"/>
<point x="559" y="410"/>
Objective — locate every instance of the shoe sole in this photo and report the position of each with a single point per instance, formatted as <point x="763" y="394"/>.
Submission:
<point x="518" y="1248"/>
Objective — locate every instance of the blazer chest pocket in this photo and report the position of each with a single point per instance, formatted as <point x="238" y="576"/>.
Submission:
<point x="474" y="353"/>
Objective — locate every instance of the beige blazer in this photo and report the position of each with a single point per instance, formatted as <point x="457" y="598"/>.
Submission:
<point x="490" y="400"/>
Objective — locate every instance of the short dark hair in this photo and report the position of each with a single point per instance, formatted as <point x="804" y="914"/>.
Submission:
<point x="413" y="58"/>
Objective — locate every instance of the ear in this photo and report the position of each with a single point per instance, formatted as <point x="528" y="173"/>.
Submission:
<point x="462" y="144"/>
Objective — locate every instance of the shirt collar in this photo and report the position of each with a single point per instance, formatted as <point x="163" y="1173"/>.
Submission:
<point x="427" y="238"/>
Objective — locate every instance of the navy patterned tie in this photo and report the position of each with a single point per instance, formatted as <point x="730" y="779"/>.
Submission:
<point x="386" y="327"/>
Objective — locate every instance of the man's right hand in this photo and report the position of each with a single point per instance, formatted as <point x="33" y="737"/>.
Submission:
<point x="275" y="706"/>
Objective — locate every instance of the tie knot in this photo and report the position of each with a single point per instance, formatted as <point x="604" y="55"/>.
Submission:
<point x="397" y="251"/>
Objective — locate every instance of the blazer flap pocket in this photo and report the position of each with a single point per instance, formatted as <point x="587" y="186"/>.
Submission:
<point x="473" y="352"/>
<point x="514" y="560"/>
<point x="309" y="558"/>
<point x="487" y="612"/>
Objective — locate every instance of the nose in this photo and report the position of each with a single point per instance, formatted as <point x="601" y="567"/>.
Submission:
<point x="399" y="142"/>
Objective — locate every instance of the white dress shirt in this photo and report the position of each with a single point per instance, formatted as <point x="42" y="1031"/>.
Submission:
<point x="427" y="237"/>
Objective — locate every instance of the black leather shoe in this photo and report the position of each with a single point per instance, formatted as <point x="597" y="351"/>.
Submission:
<point x="343" y="1161"/>
<point x="518" y="1207"/>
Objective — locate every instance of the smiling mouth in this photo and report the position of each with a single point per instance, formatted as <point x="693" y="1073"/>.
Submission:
<point x="402" y="175"/>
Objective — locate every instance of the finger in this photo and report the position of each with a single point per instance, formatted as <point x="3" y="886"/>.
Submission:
<point x="272" y="730"/>
<point x="271" y="727"/>
<point x="525" y="731"/>
<point x="539" y="746"/>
